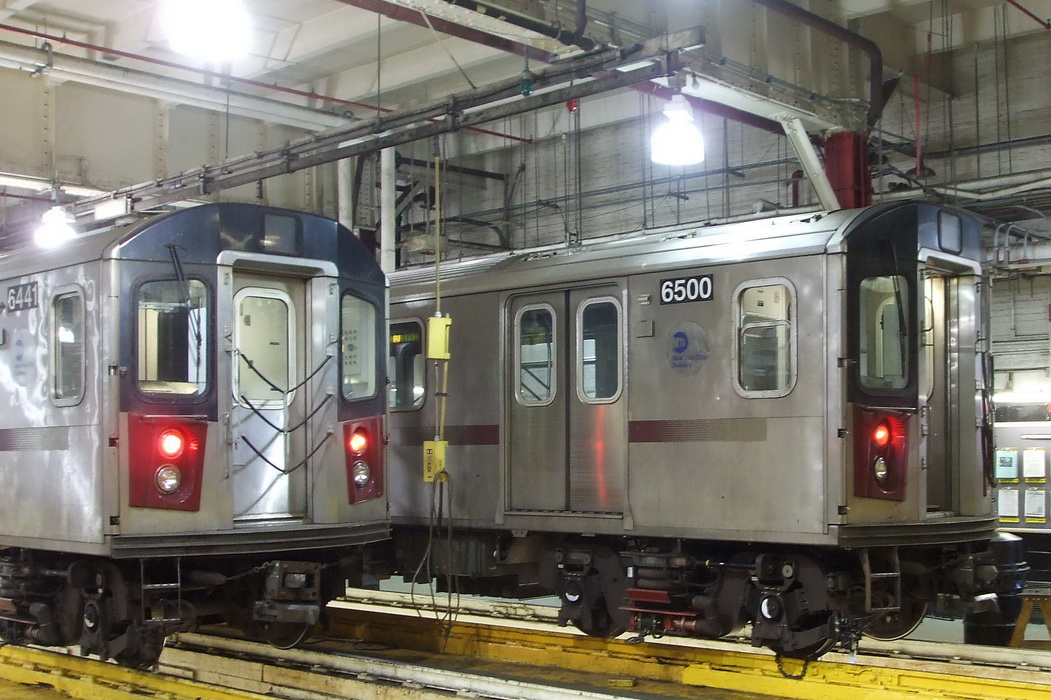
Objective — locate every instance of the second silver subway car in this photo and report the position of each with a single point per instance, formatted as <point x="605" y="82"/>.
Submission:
<point x="777" y="422"/>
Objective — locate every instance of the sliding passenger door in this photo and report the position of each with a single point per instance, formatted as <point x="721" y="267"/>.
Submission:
<point x="566" y="418"/>
<point x="268" y="409"/>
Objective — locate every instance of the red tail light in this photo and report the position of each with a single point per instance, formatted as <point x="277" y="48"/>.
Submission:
<point x="170" y="444"/>
<point x="364" y="459"/>
<point x="166" y="461"/>
<point x="880" y="453"/>
<point x="358" y="441"/>
<point x="881" y="435"/>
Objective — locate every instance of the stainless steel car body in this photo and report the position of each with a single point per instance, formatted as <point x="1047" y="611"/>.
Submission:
<point x="682" y="451"/>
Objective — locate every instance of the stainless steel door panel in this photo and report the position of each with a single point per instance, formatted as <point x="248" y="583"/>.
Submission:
<point x="537" y="430"/>
<point x="268" y="478"/>
<point x="597" y="440"/>
<point x="566" y="452"/>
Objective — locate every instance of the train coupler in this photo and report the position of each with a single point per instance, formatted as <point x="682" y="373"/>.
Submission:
<point x="291" y="593"/>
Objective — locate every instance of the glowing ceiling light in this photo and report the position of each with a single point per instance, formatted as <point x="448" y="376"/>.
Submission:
<point x="55" y="228"/>
<point x="678" y="141"/>
<point x="213" y="30"/>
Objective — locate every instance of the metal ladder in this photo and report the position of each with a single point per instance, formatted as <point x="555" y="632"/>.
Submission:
<point x="882" y="570"/>
<point x="149" y="589"/>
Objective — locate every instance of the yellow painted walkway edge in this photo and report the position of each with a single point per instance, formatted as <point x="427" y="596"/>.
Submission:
<point x="886" y="678"/>
<point x="90" y="679"/>
<point x="825" y="680"/>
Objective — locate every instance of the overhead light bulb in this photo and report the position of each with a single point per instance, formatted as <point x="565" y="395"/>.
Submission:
<point x="55" y="228"/>
<point x="678" y="141"/>
<point x="212" y="30"/>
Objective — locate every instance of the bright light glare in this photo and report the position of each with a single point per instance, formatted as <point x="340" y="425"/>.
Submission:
<point x="678" y="141"/>
<point x="212" y="30"/>
<point x="55" y="228"/>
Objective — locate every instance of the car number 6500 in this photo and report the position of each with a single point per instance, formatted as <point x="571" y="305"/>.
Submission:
<point x="684" y="289"/>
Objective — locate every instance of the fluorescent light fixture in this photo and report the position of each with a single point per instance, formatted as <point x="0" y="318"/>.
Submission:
<point x="211" y="30"/>
<point x="24" y="183"/>
<point x="36" y="184"/>
<point x="678" y="141"/>
<point x="55" y="228"/>
<point x="111" y="208"/>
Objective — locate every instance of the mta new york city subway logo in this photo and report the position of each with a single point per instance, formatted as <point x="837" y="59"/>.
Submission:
<point x="688" y="348"/>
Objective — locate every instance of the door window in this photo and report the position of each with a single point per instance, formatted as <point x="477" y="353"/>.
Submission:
<point x="535" y="355"/>
<point x="264" y="370"/>
<point x="599" y="351"/>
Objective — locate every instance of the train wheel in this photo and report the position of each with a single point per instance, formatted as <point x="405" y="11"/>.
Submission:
<point x="141" y="659"/>
<point x="595" y="621"/>
<point x="900" y="624"/>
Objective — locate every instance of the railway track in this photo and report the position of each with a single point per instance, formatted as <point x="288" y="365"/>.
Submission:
<point x="373" y="649"/>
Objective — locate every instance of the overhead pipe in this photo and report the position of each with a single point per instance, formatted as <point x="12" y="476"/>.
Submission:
<point x="574" y="38"/>
<point x="165" y="88"/>
<point x="401" y="13"/>
<point x="310" y="95"/>
<point x="877" y="95"/>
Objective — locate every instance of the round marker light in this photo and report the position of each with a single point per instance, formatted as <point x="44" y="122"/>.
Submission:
<point x="171" y="444"/>
<point x="880" y="470"/>
<point x="358" y="442"/>
<point x="770" y="608"/>
<point x="168" y="479"/>
<point x="361" y="474"/>
<point x="881" y="435"/>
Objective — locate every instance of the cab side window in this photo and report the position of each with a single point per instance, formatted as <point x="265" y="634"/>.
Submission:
<point x="406" y="367"/>
<point x="172" y="337"/>
<point x="357" y="349"/>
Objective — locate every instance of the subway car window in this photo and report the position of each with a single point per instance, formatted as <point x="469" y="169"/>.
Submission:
<point x="536" y="356"/>
<point x="599" y="351"/>
<point x="265" y="364"/>
<point x="173" y="337"/>
<point x="68" y="342"/>
<point x="406" y="366"/>
<point x="883" y="362"/>
<point x="358" y="324"/>
<point x="764" y="340"/>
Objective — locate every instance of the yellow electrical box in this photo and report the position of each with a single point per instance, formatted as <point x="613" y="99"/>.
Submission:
<point x="438" y="337"/>
<point x="433" y="458"/>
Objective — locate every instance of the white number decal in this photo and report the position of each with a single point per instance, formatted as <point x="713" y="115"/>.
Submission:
<point x="686" y="289"/>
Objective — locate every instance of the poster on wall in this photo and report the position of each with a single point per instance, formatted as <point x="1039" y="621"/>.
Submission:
<point x="1036" y="505"/>
<point x="1007" y="465"/>
<point x="1007" y="503"/>
<point x="1034" y="464"/>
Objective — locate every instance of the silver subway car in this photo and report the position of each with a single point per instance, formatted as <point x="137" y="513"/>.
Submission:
<point x="776" y="423"/>
<point x="193" y="426"/>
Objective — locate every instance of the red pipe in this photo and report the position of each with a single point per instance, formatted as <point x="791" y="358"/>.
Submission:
<point x="1043" y="23"/>
<point x="224" y="76"/>
<point x="404" y="14"/>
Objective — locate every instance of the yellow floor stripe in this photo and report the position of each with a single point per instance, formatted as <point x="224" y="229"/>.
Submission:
<point x="91" y="680"/>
